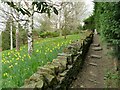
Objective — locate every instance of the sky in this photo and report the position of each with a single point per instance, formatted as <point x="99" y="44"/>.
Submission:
<point x="88" y="3"/>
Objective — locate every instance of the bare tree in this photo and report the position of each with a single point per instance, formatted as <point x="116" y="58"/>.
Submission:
<point x="9" y="15"/>
<point x="14" y="16"/>
<point x="11" y="34"/>
<point x="30" y="26"/>
<point x="17" y="30"/>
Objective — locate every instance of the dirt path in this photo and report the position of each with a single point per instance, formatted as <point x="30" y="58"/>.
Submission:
<point x="96" y="67"/>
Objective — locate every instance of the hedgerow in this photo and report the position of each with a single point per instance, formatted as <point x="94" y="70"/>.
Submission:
<point x="107" y="22"/>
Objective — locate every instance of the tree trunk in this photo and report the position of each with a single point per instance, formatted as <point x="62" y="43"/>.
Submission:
<point x="11" y="37"/>
<point x="65" y="27"/>
<point x="60" y="24"/>
<point x="30" y="37"/>
<point x="17" y="37"/>
<point x="17" y="31"/>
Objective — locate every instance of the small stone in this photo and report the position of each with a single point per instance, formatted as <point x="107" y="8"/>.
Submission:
<point x="30" y="86"/>
<point x="53" y="67"/>
<point x="91" y="73"/>
<point x="95" y="56"/>
<point x="35" y="77"/>
<point x="61" y="79"/>
<point x="27" y="81"/>
<point x="70" y="46"/>
<point x="46" y="69"/>
<point x="91" y="80"/>
<point x="61" y="57"/>
<point x="63" y="74"/>
<point x="69" y="66"/>
<point x="93" y="64"/>
<point x="96" y="45"/>
<point x="63" y="54"/>
<point x="89" y="56"/>
<point x="40" y="84"/>
<point x="81" y="86"/>
<point x="49" y="77"/>
<point x="55" y="61"/>
<point x="63" y="62"/>
<point x="80" y="52"/>
<point x="97" y="48"/>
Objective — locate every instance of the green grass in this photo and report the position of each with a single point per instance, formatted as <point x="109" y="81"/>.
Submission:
<point x="18" y="65"/>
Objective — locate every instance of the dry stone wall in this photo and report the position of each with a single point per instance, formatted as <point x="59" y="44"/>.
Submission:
<point x="61" y="71"/>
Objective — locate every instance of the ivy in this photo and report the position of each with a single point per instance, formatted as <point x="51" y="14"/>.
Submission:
<point x="107" y="21"/>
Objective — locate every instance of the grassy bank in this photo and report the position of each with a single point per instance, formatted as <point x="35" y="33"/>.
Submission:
<point x="18" y="65"/>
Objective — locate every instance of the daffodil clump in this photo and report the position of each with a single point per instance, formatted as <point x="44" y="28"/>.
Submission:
<point x="18" y="65"/>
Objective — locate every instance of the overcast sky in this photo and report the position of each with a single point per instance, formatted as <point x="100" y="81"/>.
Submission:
<point x="89" y="4"/>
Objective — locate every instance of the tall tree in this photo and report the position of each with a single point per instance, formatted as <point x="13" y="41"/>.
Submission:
<point x="6" y="37"/>
<point x="14" y="15"/>
<point x="11" y="34"/>
<point x="42" y="7"/>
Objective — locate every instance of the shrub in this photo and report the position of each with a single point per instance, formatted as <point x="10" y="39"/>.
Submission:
<point x="23" y="37"/>
<point x="107" y="22"/>
<point x="65" y="32"/>
<point x="5" y="40"/>
<point x="49" y="34"/>
<point x="89" y="23"/>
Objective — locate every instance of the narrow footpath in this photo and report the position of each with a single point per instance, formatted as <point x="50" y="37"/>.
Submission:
<point x="98" y="64"/>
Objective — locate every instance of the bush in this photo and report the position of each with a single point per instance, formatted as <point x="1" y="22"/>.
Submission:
<point x="6" y="36"/>
<point x="5" y="40"/>
<point x="107" y="22"/>
<point x="89" y="23"/>
<point x="66" y="32"/>
<point x="23" y="37"/>
<point x="76" y="31"/>
<point x="49" y="34"/>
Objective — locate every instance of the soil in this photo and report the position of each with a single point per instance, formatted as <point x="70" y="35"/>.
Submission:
<point x="93" y="74"/>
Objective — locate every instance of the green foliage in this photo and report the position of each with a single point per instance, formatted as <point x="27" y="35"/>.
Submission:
<point x="46" y="25"/>
<point x="65" y="32"/>
<point x="6" y="36"/>
<point x="111" y="76"/>
<point x="49" y="34"/>
<point x="107" y="21"/>
<point x="76" y="31"/>
<point x="89" y="23"/>
<point x="23" y="37"/>
<point x="80" y="27"/>
<point x="5" y="40"/>
<point x="0" y="40"/>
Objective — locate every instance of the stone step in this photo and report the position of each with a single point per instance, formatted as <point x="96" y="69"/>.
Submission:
<point x="94" y="81"/>
<point x="92" y="74"/>
<point x="96" y="45"/>
<point x="93" y="64"/>
<point x="97" y="48"/>
<point x="95" y="56"/>
<point x="82" y="86"/>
